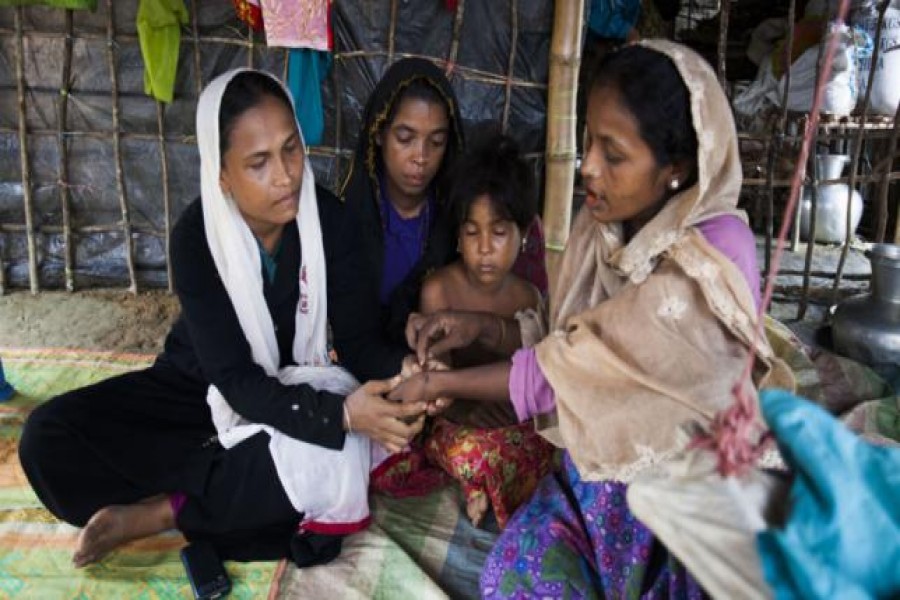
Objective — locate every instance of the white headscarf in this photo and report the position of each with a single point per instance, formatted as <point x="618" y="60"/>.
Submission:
<point x="328" y="486"/>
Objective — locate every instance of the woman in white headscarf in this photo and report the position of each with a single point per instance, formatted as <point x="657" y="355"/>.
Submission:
<point x="242" y="433"/>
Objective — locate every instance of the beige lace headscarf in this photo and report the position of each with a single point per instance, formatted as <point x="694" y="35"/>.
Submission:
<point x="652" y="334"/>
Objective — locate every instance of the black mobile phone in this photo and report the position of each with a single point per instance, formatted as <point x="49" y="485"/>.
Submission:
<point x="205" y="571"/>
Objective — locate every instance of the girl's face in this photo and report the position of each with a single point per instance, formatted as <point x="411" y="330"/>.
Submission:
<point x="263" y="166"/>
<point x="413" y="147"/>
<point x="488" y="243"/>
<point x="621" y="176"/>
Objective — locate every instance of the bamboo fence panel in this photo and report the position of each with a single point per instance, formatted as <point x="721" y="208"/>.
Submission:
<point x="558" y="156"/>
<point x="73" y="232"/>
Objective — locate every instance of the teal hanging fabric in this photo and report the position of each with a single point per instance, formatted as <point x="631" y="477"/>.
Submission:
<point x="613" y="18"/>
<point x="159" y="31"/>
<point x="73" y="4"/>
<point x="307" y="69"/>
<point x="842" y="536"/>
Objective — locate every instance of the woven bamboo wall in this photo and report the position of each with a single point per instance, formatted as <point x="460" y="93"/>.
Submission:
<point x="95" y="173"/>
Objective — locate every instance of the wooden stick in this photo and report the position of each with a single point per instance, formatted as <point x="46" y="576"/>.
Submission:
<point x="468" y="73"/>
<point x="131" y="38"/>
<point x="883" y="195"/>
<point x="454" y="39"/>
<point x="821" y="81"/>
<point x="561" y="148"/>
<point x="117" y="150"/>
<point x="722" y="49"/>
<point x="167" y="203"/>
<point x="252" y="41"/>
<point x="392" y="28"/>
<point x="337" y="87"/>
<point x="62" y="104"/>
<point x="84" y="229"/>
<point x="513" y="42"/>
<point x="195" y="31"/>
<point x="23" y="156"/>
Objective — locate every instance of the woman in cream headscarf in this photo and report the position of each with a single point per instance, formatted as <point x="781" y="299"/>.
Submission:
<point x="652" y="320"/>
<point x="242" y="433"/>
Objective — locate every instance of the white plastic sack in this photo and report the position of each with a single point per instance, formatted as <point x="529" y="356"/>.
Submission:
<point x="841" y="91"/>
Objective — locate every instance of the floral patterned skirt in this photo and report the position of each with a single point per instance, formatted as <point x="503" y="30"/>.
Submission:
<point x="504" y="463"/>
<point x="578" y="539"/>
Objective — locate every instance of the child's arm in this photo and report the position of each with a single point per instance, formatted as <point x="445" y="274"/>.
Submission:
<point x="432" y="300"/>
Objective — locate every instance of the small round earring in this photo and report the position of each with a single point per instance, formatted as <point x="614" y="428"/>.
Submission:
<point x="673" y="185"/>
<point x="523" y="245"/>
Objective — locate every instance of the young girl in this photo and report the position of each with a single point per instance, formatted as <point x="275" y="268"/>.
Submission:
<point x="497" y="460"/>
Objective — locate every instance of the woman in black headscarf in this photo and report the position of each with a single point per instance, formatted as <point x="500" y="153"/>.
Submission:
<point x="411" y="132"/>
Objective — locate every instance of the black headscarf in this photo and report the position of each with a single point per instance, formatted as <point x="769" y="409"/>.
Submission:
<point x="362" y="195"/>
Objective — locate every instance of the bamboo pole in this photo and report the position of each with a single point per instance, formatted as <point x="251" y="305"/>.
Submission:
<point x="337" y="87"/>
<point x="513" y="42"/>
<point x="62" y="104"/>
<point x="722" y="49"/>
<point x="195" y="34"/>
<point x="84" y="229"/>
<point x="883" y="195"/>
<point x="392" y="28"/>
<point x="454" y="40"/>
<point x="117" y="150"/>
<point x="252" y="40"/>
<point x="167" y="202"/>
<point x="561" y="148"/>
<point x="23" y="156"/>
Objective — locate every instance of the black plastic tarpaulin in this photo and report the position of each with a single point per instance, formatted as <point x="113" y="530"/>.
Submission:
<point x="496" y="54"/>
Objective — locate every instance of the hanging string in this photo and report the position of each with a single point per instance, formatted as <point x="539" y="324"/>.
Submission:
<point x="735" y="434"/>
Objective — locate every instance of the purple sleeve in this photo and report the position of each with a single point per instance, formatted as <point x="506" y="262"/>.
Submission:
<point x="529" y="390"/>
<point x="732" y="237"/>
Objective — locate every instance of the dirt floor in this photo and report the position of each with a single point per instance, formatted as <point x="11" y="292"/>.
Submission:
<point x="117" y="320"/>
<point x="94" y="320"/>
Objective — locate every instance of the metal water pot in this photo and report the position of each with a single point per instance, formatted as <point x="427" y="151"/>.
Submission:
<point x="866" y="328"/>
<point x="831" y="204"/>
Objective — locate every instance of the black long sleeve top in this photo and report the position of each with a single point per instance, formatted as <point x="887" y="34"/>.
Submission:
<point x="207" y="343"/>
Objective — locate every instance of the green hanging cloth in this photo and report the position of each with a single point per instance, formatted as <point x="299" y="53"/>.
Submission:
<point x="74" y="4"/>
<point x="159" y="30"/>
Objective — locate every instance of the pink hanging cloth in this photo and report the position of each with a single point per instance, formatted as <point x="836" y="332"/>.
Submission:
<point x="298" y="23"/>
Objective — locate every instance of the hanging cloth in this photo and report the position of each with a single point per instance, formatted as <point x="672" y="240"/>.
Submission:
<point x="307" y="70"/>
<point x="298" y="23"/>
<point x="159" y="31"/>
<point x="250" y="13"/>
